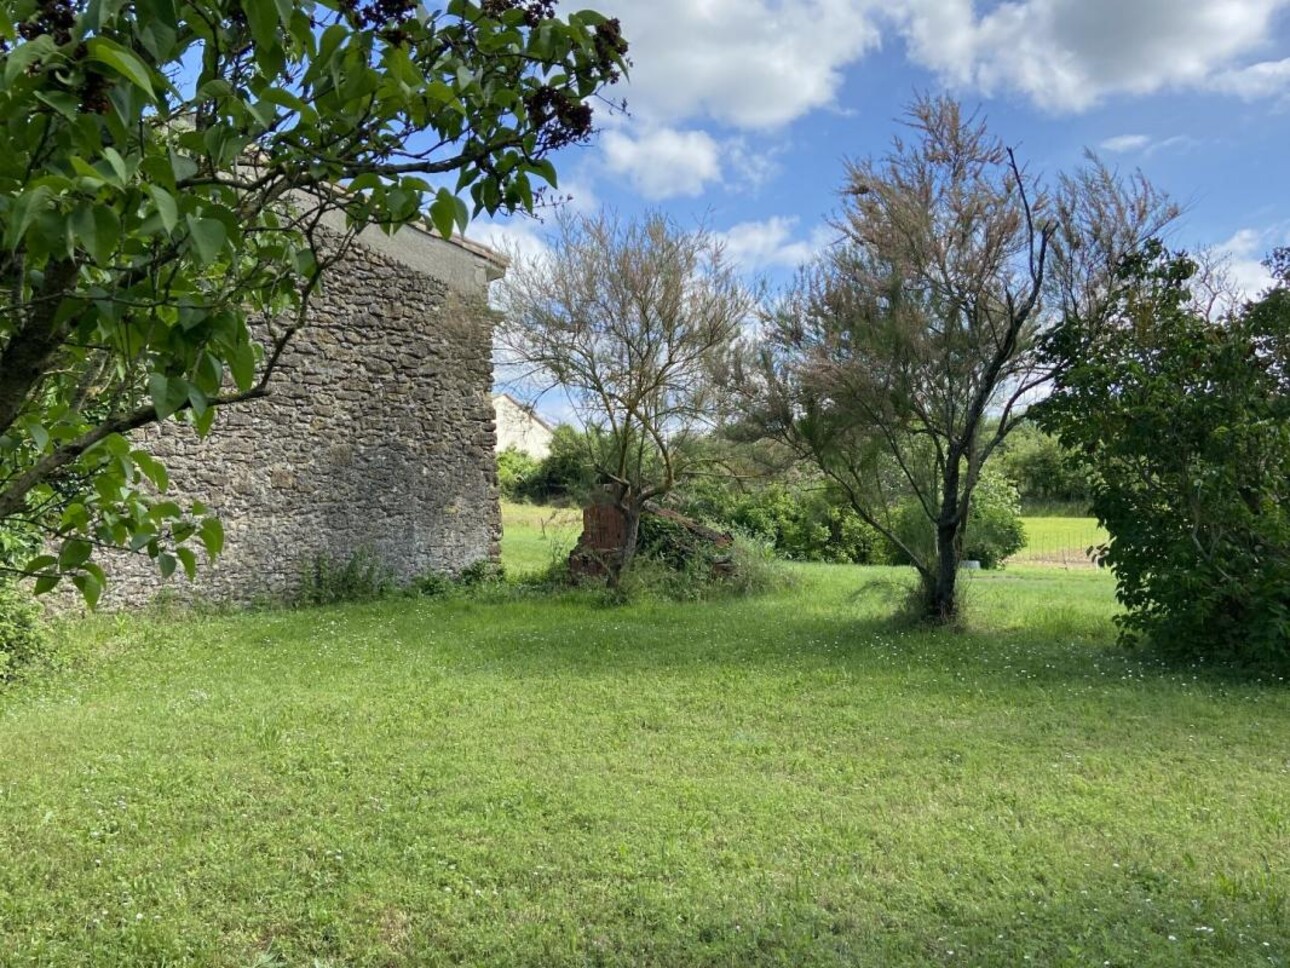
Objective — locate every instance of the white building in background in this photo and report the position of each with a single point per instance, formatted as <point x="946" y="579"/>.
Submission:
<point x="519" y="426"/>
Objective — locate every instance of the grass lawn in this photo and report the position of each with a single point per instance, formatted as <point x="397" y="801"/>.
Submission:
<point x="788" y="780"/>
<point x="533" y="537"/>
<point x="1060" y="541"/>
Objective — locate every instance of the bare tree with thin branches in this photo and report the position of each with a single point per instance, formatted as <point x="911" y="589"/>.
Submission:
<point x="907" y="353"/>
<point x="629" y="318"/>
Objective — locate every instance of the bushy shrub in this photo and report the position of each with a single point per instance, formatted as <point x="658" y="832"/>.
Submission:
<point x="1184" y="422"/>
<point x="755" y="568"/>
<point x="668" y="541"/>
<point x="481" y="572"/>
<point x="436" y="584"/>
<point x="364" y="577"/>
<point x="994" y="529"/>
<point x="746" y="567"/>
<point x="1047" y="475"/>
<point x="803" y="522"/>
<point x="565" y="476"/>
<point x="433" y="584"/>
<point x="514" y="470"/>
<point x="24" y="639"/>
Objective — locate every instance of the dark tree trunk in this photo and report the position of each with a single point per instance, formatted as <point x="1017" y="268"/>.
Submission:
<point x="631" y="534"/>
<point x="942" y="603"/>
<point x="29" y="351"/>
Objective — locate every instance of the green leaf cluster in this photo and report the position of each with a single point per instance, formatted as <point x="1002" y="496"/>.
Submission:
<point x="177" y="177"/>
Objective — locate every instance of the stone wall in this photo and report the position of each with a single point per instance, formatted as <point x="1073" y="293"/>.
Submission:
<point x="378" y="435"/>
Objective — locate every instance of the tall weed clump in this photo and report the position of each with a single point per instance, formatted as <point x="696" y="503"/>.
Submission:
<point x="24" y="637"/>
<point x="674" y="565"/>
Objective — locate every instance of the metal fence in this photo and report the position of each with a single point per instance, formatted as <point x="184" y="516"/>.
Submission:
<point x="1063" y="542"/>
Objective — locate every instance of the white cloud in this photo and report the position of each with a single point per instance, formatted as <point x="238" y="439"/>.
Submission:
<point x="771" y="244"/>
<point x="746" y="63"/>
<point x="752" y="166"/>
<point x="1177" y="141"/>
<point x="1145" y="145"/>
<point x="664" y="162"/>
<point x="1068" y="55"/>
<point x="1123" y="143"/>
<point x="1243" y="254"/>
<point x="516" y="237"/>
<point x="760" y="64"/>
<point x="1266" y="79"/>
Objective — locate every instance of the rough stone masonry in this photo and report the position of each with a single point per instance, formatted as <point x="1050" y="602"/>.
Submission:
<point x="378" y="435"/>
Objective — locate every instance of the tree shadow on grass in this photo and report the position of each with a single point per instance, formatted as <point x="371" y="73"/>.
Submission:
<point x="867" y="627"/>
<point x="1025" y="629"/>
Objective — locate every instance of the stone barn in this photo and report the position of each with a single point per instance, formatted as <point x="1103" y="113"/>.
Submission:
<point x="519" y="426"/>
<point x="378" y="435"/>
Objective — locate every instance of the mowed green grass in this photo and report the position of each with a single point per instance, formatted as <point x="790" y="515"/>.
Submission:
<point x="1060" y="541"/>
<point x="534" y="537"/>
<point x="790" y="780"/>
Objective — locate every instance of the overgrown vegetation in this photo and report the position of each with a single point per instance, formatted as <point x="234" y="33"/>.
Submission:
<point x="1050" y="480"/>
<point x="364" y="577"/>
<point x="566" y="475"/>
<point x="361" y="577"/>
<point x="515" y="471"/>
<point x="800" y="518"/>
<point x="680" y="564"/>
<point x="744" y="568"/>
<point x="799" y="515"/>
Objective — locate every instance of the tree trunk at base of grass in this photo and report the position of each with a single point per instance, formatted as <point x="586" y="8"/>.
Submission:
<point x="627" y="554"/>
<point x="941" y="593"/>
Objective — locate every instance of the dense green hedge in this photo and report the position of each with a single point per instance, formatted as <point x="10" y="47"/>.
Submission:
<point x="515" y="469"/>
<point x="1047" y="475"/>
<point x="564" y="476"/>
<point x="803" y="522"/>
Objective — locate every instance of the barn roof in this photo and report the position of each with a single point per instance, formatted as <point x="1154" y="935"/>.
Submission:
<point x="528" y="408"/>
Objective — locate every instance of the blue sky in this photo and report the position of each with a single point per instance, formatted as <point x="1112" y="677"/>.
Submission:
<point x="742" y="112"/>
